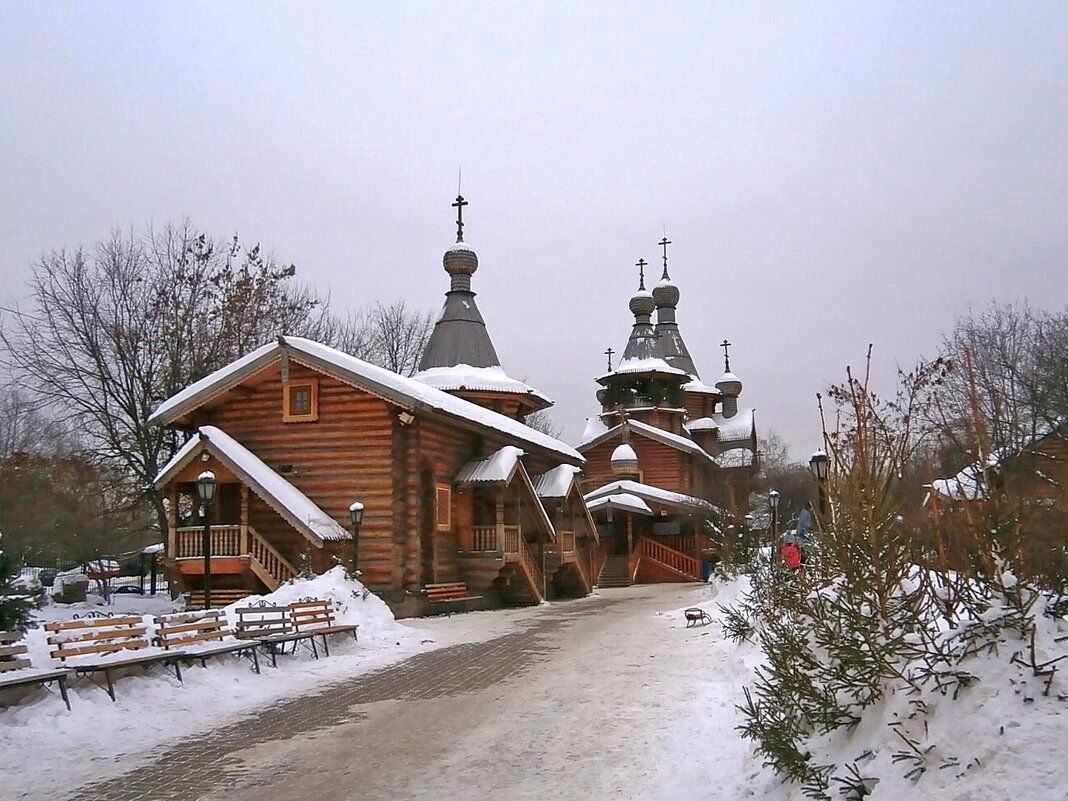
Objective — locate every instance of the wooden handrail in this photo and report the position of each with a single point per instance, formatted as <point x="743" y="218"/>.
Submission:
<point x="531" y="568"/>
<point x="676" y="560"/>
<point x="266" y="554"/>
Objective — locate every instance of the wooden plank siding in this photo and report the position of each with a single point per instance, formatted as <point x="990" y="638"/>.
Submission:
<point x="357" y="448"/>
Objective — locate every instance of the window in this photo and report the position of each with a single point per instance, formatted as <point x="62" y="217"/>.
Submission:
<point x="443" y="516"/>
<point x="300" y="401"/>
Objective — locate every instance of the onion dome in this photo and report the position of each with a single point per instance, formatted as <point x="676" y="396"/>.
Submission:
<point x="642" y="304"/>
<point x="729" y="385"/>
<point x="666" y="293"/>
<point x="460" y="260"/>
<point x="624" y="460"/>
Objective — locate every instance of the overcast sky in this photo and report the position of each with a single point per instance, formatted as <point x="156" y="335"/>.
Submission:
<point x="831" y="174"/>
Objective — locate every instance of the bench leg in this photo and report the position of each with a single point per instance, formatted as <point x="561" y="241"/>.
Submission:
<point x="326" y="648"/>
<point x="111" y="685"/>
<point x="62" y="681"/>
<point x="255" y="661"/>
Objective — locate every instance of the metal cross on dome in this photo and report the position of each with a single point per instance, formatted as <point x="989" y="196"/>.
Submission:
<point x="726" y="355"/>
<point x="641" y="271"/>
<point x="609" y="353"/>
<point x="459" y="206"/>
<point x="664" y="243"/>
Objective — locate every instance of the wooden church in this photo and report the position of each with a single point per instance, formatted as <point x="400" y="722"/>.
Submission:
<point x="668" y="454"/>
<point x="454" y="486"/>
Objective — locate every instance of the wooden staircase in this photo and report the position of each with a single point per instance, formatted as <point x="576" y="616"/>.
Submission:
<point x="615" y="572"/>
<point x="676" y="563"/>
<point x="266" y="563"/>
<point x="219" y="598"/>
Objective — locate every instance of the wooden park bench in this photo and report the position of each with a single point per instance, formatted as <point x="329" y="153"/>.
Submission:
<point x="449" y="593"/>
<point x="695" y="616"/>
<point x="16" y="670"/>
<point x="95" y="645"/>
<point x="271" y="628"/>
<point x="203" y="633"/>
<point x="317" y="617"/>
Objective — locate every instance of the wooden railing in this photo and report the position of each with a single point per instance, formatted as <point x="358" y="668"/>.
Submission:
<point x="531" y="568"/>
<point x="677" y="560"/>
<point x="189" y="542"/>
<point x="484" y="538"/>
<point x="272" y="561"/>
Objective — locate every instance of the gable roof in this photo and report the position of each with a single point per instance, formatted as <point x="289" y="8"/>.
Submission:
<point x="405" y="392"/>
<point x="556" y="483"/>
<point x="495" y="469"/>
<point x="647" y="492"/>
<point x="292" y="504"/>
<point x="478" y="379"/>
<point x="676" y="441"/>
<point x="623" y="500"/>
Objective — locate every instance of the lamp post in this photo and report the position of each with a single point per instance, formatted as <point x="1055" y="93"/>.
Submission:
<point x="819" y="464"/>
<point x="743" y="538"/>
<point x="773" y="501"/>
<point x="206" y="490"/>
<point x="356" y="515"/>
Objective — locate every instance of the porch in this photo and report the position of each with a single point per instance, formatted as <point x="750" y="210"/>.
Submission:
<point x="238" y="552"/>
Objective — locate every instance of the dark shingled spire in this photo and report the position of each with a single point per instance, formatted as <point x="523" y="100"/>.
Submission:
<point x="460" y="335"/>
<point x="669" y="343"/>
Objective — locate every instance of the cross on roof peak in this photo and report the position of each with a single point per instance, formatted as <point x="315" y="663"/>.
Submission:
<point x="726" y="355"/>
<point x="609" y="353"/>
<point x="459" y="204"/>
<point x="641" y="272"/>
<point x="664" y="243"/>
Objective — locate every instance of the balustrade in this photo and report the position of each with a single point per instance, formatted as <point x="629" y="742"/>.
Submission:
<point x="225" y="541"/>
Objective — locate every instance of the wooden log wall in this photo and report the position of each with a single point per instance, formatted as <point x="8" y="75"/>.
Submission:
<point x="343" y="456"/>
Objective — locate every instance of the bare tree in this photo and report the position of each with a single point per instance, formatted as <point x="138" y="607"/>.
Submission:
<point x="114" y="329"/>
<point x="543" y="421"/>
<point x="396" y="336"/>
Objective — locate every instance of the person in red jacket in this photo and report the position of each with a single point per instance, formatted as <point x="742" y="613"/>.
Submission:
<point x="791" y="555"/>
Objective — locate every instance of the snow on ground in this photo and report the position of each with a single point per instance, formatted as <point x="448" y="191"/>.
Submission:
<point x="100" y="738"/>
<point x="671" y="732"/>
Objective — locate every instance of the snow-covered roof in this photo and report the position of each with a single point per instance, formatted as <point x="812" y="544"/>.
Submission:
<point x="594" y="428"/>
<point x="292" y="504"/>
<point x="736" y="427"/>
<point x="647" y="365"/>
<point x="405" y="392"/>
<point x="624" y="453"/>
<point x="652" y="432"/>
<point x="623" y="500"/>
<point x="476" y="379"/>
<point x="556" y="483"/>
<point x="701" y="424"/>
<point x="650" y="493"/>
<point x="967" y="485"/>
<point x="700" y="386"/>
<point x="736" y="457"/>
<point x="496" y="469"/>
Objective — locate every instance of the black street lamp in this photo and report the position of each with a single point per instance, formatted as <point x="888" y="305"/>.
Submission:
<point x="819" y="464"/>
<point x="206" y="490"/>
<point x="773" y="501"/>
<point x="356" y="515"/>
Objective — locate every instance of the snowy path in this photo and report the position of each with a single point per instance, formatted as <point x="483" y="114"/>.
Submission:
<point x="593" y="699"/>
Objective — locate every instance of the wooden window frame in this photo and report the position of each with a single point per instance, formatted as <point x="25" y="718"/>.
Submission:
<point x="443" y="507"/>
<point x="312" y="415"/>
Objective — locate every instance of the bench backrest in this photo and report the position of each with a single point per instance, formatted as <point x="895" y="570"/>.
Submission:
<point x="311" y="614"/>
<point x="442" y="592"/>
<point x="103" y="635"/>
<point x="189" y="628"/>
<point x="11" y="651"/>
<point x="254" y="622"/>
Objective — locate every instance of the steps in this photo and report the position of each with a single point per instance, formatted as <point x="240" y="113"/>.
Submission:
<point x="219" y="598"/>
<point x="614" y="572"/>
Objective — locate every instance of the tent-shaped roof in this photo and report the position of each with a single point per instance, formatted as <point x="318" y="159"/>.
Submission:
<point x="405" y="392"/>
<point x="478" y="379"/>
<point x="292" y="504"/>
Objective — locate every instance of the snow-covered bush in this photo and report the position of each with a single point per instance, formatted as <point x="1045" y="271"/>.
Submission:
<point x="876" y="631"/>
